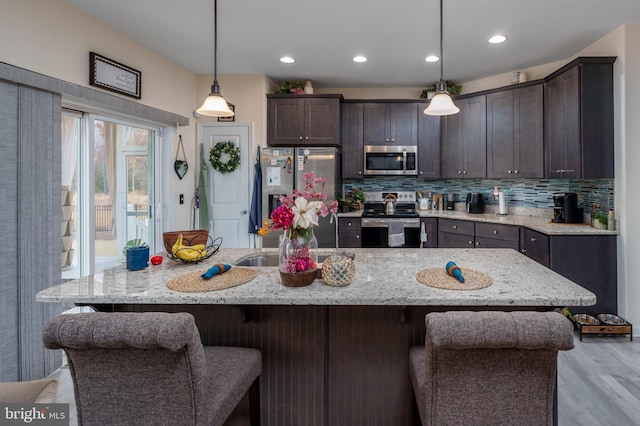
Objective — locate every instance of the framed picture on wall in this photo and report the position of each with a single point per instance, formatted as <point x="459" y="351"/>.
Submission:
<point x="232" y="107"/>
<point x="114" y="76"/>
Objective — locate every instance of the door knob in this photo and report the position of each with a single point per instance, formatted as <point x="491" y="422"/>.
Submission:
<point x="243" y="212"/>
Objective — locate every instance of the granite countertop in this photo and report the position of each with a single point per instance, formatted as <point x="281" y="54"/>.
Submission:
<point x="531" y="218"/>
<point x="383" y="277"/>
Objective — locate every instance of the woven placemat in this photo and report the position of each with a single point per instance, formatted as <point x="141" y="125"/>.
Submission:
<point x="438" y="277"/>
<point x="194" y="283"/>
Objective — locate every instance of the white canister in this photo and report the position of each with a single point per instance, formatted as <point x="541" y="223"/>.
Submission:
<point x="308" y="88"/>
<point x="502" y="203"/>
<point x="424" y="204"/>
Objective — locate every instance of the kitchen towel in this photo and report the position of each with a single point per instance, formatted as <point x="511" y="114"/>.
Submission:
<point x="396" y="233"/>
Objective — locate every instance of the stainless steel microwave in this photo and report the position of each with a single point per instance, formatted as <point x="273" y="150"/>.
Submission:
<point x="390" y="160"/>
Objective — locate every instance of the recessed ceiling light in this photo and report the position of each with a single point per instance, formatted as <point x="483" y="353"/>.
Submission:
<point x="287" y="59"/>
<point x="359" y="59"/>
<point x="432" y="58"/>
<point x="497" y="39"/>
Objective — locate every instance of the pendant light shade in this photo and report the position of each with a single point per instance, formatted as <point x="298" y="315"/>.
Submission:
<point x="215" y="105"/>
<point x="441" y="103"/>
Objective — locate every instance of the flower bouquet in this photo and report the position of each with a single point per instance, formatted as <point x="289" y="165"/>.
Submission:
<point x="297" y="214"/>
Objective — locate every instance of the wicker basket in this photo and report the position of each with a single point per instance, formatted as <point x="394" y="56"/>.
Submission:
<point x="298" y="279"/>
<point x="190" y="238"/>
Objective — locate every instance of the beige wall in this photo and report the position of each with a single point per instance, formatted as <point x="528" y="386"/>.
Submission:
<point x="52" y="38"/>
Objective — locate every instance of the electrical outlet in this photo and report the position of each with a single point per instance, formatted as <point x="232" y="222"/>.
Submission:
<point x="181" y="198"/>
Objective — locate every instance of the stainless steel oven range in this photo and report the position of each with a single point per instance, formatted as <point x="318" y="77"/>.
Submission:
<point x="383" y="226"/>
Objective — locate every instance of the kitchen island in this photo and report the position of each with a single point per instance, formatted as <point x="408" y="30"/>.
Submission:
<point x="331" y="355"/>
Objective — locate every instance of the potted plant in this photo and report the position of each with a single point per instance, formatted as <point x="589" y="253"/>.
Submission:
<point x="353" y="200"/>
<point x="453" y="88"/>
<point x="600" y="221"/>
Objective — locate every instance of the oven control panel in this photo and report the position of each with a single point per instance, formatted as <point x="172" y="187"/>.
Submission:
<point x="401" y="196"/>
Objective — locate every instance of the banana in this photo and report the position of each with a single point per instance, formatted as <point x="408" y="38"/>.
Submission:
<point x="183" y="252"/>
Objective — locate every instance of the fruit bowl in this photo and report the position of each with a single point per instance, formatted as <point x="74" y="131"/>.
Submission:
<point x="191" y="238"/>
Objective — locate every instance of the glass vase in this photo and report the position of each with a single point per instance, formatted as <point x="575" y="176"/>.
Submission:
<point x="298" y="257"/>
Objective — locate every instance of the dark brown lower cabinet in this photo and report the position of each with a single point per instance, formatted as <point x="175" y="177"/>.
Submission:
<point x="349" y="232"/>
<point x="588" y="260"/>
<point x="591" y="261"/>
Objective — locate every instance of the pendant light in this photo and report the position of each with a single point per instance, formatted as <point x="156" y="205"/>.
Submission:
<point x="441" y="103"/>
<point x="215" y="105"/>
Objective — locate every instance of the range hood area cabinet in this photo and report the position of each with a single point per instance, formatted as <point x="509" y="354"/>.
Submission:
<point x="579" y="120"/>
<point x="352" y="141"/>
<point x="464" y="140"/>
<point x="390" y="123"/>
<point x="515" y="133"/>
<point x="299" y="120"/>
<point x="429" y="130"/>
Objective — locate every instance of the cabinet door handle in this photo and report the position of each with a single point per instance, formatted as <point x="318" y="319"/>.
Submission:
<point x="524" y="251"/>
<point x="421" y="172"/>
<point x="477" y="243"/>
<point x="470" y="243"/>
<point x="459" y="172"/>
<point x="464" y="172"/>
<point x="455" y="226"/>
<point x="357" y="236"/>
<point x="509" y="171"/>
<point x="359" y="172"/>
<point x="307" y="137"/>
<point x="301" y="138"/>
<point x="516" y="172"/>
<point x="349" y="224"/>
<point x="495" y="232"/>
<point x="387" y="139"/>
<point x="533" y="240"/>
<point x="393" y="140"/>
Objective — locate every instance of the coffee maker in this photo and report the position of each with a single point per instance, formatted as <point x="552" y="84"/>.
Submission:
<point x="565" y="208"/>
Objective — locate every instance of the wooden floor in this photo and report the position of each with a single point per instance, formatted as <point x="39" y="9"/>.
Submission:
<point x="598" y="383"/>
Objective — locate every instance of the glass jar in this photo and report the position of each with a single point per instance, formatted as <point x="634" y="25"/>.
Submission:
<point x="298" y="257"/>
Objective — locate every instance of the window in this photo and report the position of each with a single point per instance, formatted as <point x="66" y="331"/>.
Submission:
<point x="109" y="175"/>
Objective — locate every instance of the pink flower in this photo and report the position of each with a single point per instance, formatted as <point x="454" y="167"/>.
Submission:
<point x="297" y="90"/>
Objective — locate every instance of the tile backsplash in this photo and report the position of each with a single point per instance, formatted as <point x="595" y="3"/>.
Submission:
<point x="530" y="193"/>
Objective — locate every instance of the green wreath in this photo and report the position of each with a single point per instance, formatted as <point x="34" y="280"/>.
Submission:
<point x="225" y="148"/>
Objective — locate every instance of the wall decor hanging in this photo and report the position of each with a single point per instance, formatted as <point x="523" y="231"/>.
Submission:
<point x="231" y="151"/>
<point x="114" y="76"/>
<point x="181" y="166"/>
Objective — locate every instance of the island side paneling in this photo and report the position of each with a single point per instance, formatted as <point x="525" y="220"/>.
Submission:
<point x="337" y="365"/>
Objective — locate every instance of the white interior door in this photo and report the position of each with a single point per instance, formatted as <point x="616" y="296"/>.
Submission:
<point x="230" y="193"/>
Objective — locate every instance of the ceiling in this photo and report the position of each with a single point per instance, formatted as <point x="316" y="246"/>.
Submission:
<point x="324" y="35"/>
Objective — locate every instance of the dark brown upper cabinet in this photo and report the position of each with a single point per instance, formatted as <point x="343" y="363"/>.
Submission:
<point x="515" y="135"/>
<point x="352" y="140"/>
<point x="295" y="120"/>
<point x="464" y="140"/>
<point x="429" y="164"/>
<point x="390" y="123"/>
<point x="578" y="120"/>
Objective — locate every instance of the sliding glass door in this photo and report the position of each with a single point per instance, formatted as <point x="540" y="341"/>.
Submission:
<point x="115" y="189"/>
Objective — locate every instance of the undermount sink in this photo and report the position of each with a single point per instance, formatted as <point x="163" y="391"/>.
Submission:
<point x="267" y="260"/>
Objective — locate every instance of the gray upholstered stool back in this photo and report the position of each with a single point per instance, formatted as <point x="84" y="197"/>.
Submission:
<point x="133" y="368"/>
<point x="489" y="368"/>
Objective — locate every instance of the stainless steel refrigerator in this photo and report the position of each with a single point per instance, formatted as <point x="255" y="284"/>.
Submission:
<point x="282" y="170"/>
